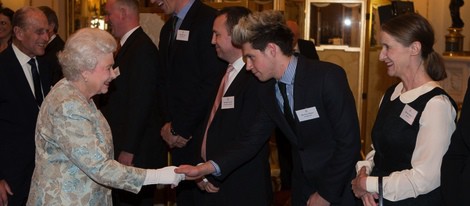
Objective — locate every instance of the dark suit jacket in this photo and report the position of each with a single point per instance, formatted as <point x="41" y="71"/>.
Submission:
<point x="131" y="106"/>
<point x="455" y="177"/>
<point x="249" y="184"/>
<point x="18" y="114"/>
<point x="192" y="73"/>
<point x="325" y="149"/>
<point x="56" y="45"/>
<point x="307" y="48"/>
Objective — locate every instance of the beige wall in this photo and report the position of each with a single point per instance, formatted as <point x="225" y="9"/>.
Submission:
<point x="437" y="12"/>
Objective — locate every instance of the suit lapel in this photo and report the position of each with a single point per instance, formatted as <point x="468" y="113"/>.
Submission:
<point x="185" y="25"/>
<point x="299" y="86"/>
<point x="18" y="77"/>
<point x="268" y="98"/>
<point x="238" y="82"/>
<point x="126" y="45"/>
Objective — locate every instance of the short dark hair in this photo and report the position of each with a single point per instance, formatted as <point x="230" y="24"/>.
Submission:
<point x="51" y="17"/>
<point x="234" y="14"/>
<point x="7" y="12"/>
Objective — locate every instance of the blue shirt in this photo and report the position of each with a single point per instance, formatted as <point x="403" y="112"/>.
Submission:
<point x="288" y="79"/>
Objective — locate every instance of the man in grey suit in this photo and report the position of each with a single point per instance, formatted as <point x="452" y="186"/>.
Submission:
<point x="131" y="105"/>
<point x="24" y="82"/>
<point x="310" y="101"/>
<point x="191" y="72"/>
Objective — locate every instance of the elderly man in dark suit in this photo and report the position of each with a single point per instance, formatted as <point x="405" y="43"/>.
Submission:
<point x="232" y="114"/>
<point x="55" y="44"/>
<point x="24" y="82"/>
<point x="191" y="72"/>
<point x="131" y="105"/>
<point x="310" y="101"/>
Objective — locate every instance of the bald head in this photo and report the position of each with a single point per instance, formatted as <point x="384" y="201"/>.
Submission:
<point x="294" y="27"/>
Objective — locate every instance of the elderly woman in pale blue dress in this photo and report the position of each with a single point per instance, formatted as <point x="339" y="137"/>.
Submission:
<point x="74" y="148"/>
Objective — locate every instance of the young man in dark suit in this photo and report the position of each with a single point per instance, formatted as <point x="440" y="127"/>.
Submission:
<point x="24" y="82"/>
<point x="55" y="44"/>
<point x="310" y="101"/>
<point x="131" y="106"/>
<point x="307" y="49"/>
<point x="191" y="72"/>
<point x="233" y="112"/>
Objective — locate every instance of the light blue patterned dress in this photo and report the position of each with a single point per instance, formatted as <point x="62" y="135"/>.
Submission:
<point x="74" y="154"/>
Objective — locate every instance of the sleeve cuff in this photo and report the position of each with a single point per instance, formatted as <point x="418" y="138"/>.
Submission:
<point x="217" y="169"/>
<point x="372" y="184"/>
<point x="151" y="177"/>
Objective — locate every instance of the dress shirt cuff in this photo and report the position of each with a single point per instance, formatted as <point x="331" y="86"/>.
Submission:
<point x="217" y="168"/>
<point x="372" y="184"/>
<point x="151" y="177"/>
<point x="364" y="163"/>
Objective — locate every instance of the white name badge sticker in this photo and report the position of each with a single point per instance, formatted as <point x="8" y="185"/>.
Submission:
<point x="408" y="114"/>
<point x="182" y="35"/>
<point x="307" y="114"/>
<point x="228" y="102"/>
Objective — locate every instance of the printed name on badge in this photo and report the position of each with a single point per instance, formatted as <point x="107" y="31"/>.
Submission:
<point x="307" y="114"/>
<point x="182" y="35"/>
<point x="228" y="102"/>
<point x="408" y="114"/>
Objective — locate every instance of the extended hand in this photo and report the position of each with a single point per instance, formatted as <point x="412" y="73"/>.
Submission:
<point x="168" y="176"/>
<point x="195" y="172"/>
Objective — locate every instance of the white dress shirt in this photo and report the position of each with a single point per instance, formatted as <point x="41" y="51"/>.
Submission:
<point x="24" y="59"/>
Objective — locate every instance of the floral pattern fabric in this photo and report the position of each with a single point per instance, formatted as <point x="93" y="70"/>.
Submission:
<point x="74" y="153"/>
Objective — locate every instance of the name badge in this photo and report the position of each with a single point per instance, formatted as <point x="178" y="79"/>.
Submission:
<point x="307" y="114"/>
<point x="408" y="114"/>
<point x="228" y="102"/>
<point x="182" y="35"/>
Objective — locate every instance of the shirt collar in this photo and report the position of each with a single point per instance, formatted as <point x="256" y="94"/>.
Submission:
<point x="127" y="35"/>
<point x="413" y="94"/>
<point x="22" y="57"/>
<point x="238" y="64"/>
<point x="289" y="74"/>
<point x="52" y="38"/>
<point x="181" y="14"/>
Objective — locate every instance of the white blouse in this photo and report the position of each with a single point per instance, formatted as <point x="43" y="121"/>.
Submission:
<point x="436" y="126"/>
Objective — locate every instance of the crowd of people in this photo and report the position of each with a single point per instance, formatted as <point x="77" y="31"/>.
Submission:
<point x="90" y="121"/>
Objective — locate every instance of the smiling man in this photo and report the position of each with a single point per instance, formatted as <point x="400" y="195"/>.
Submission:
<point x="24" y="82"/>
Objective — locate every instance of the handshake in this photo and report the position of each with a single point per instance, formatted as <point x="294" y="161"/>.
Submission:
<point x="174" y="175"/>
